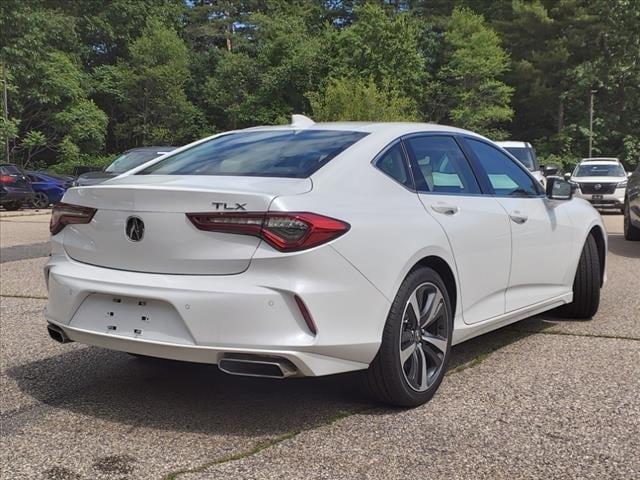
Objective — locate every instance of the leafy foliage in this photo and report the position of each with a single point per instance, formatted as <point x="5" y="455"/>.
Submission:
<point x="88" y="79"/>
<point x="355" y="99"/>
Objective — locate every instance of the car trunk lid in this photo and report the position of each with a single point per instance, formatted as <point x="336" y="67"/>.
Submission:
<point x="169" y="242"/>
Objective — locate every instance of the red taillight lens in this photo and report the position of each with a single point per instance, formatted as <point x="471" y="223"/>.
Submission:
<point x="65" y="214"/>
<point x="285" y="231"/>
<point x="7" y="179"/>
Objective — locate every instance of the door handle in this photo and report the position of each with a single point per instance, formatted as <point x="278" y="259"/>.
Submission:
<point x="518" y="217"/>
<point x="445" y="208"/>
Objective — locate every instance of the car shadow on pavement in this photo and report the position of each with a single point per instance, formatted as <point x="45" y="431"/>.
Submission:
<point x="187" y="397"/>
<point x="624" y="248"/>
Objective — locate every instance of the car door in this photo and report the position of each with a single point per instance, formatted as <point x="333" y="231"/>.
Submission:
<point x="541" y="229"/>
<point x="475" y="224"/>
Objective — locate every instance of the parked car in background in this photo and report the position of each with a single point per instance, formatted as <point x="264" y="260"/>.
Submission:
<point x="48" y="188"/>
<point x="601" y="182"/>
<point x="15" y="189"/>
<point x="128" y="160"/>
<point x="526" y="155"/>
<point x="632" y="207"/>
<point x="314" y="249"/>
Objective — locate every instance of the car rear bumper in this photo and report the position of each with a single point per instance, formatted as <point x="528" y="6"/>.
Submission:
<point x="13" y="196"/>
<point x="204" y="318"/>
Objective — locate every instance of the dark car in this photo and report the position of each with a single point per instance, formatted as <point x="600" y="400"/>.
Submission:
<point x="632" y="207"/>
<point x="15" y="189"/>
<point x="128" y="160"/>
<point x="48" y="188"/>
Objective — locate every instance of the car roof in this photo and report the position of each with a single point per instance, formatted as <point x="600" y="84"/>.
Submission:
<point x="600" y="162"/>
<point x="514" y="144"/>
<point x="600" y="159"/>
<point x="398" y="128"/>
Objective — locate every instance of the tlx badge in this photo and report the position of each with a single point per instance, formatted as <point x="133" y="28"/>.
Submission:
<point x="228" y="206"/>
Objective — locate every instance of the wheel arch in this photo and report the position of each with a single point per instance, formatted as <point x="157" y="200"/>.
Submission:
<point x="443" y="269"/>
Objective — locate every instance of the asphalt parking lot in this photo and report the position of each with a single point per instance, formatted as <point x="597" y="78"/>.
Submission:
<point x="542" y="398"/>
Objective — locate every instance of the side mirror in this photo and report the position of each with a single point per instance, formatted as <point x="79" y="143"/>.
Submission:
<point x="549" y="170"/>
<point x="560" y="189"/>
<point x="567" y="175"/>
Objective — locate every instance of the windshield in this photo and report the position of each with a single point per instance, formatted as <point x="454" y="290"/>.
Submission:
<point x="590" y="170"/>
<point x="524" y="155"/>
<point x="266" y="153"/>
<point x="132" y="159"/>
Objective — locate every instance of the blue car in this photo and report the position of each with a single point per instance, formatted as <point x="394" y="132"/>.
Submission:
<point x="48" y="188"/>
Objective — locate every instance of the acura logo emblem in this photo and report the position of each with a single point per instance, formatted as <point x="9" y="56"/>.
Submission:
<point x="134" y="229"/>
<point x="597" y="186"/>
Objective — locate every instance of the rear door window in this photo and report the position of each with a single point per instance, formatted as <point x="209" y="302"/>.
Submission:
<point x="267" y="153"/>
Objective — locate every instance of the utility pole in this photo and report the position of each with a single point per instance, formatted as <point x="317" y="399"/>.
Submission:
<point x="5" y="110"/>
<point x="592" y="92"/>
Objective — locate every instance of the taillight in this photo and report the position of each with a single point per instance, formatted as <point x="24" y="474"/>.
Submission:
<point x="285" y="231"/>
<point x="66" y="214"/>
<point x="7" y="179"/>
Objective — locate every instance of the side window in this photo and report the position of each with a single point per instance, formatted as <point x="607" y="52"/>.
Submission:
<point x="33" y="178"/>
<point x="392" y="162"/>
<point x="506" y="177"/>
<point x="439" y="166"/>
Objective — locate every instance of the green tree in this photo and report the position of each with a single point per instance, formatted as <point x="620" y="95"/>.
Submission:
<point x="151" y="84"/>
<point x="381" y="46"/>
<point x="469" y="85"/>
<point x="348" y="99"/>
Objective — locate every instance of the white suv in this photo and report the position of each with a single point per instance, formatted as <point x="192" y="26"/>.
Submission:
<point x="526" y="155"/>
<point x="601" y="182"/>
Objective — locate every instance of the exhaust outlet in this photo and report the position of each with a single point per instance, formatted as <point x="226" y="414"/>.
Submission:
<point x="58" y="334"/>
<point x="257" y="366"/>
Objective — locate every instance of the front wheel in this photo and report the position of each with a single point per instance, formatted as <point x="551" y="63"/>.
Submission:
<point x="586" y="284"/>
<point x="416" y="342"/>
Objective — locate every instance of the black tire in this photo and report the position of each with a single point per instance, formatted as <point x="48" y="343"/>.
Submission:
<point x="631" y="232"/>
<point x="13" y="206"/>
<point x="40" y="200"/>
<point x="387" y="379"/>
<point x="586" y="284"/>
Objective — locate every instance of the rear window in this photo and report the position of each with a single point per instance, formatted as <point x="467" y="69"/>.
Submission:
<point x="130" y="160"/>
<point x="9" y="170"/>
<point x="275" y="153"/>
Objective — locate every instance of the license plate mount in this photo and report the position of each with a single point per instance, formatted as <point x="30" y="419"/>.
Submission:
<point x="596" y="197"/>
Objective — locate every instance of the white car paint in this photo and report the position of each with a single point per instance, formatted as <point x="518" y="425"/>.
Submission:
<point x="187" y="294"/>
<point x="604" y="192"/>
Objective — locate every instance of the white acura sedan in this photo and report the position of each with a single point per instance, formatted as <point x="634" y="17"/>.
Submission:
<point x="313" y="249"/>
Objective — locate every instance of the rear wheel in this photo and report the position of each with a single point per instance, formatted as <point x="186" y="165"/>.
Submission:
<point x="416" y="342"/>
<point x="40" y="200"/>
<point x="586" y="284"/>
<point x="631" y="232"/>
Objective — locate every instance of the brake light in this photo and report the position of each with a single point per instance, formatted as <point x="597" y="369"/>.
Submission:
<point x="64" y="214"/>
<point x="285" y="231"/>
<point x="7" y="179"/>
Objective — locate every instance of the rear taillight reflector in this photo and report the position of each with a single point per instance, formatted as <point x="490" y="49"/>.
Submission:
<point x="308" y="319"/>
<point x="64" y="214"/>
<point x="285" y="231"/>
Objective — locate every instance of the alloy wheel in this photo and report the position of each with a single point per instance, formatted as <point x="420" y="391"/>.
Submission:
<point x="40" y="200"/>
<point x="424" y="336"/>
